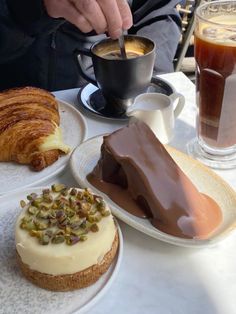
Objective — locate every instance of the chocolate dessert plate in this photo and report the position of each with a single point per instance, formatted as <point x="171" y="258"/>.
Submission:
<point x="18" y="295"/>
<point x="91" y="100"/>
<point x="85" y="157"/>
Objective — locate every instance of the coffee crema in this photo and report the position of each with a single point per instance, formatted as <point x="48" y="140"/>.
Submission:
<point x="138" y="174"/>
<point x="116" y="55"/>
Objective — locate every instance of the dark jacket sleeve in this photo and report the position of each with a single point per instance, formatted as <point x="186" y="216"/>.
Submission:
<point x="21" y="22"/>
<point x="160" y="21"/>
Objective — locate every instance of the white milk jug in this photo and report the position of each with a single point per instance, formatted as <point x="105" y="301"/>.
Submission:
<point x="158" y="111"/>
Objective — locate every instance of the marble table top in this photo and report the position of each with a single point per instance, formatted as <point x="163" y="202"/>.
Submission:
<point x="156" y="277"/>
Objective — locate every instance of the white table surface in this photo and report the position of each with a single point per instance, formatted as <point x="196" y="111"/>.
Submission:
<point x="156" y="277"/>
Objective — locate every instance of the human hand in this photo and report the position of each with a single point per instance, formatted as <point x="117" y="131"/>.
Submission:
<point x="110" y="16"/>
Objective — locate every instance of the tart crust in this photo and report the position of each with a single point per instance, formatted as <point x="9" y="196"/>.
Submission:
<point x="74" y="281"/>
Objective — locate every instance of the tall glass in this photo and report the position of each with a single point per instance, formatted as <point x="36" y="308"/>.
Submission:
<point x="215" y="53"/>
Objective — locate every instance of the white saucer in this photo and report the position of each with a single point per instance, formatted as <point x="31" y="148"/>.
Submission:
<point x="18" y="295"/>
<point x="15" y="176"/>
<point x="85" y="157"/>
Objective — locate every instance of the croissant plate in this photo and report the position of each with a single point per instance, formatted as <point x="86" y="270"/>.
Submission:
<point x="29" y="127"/>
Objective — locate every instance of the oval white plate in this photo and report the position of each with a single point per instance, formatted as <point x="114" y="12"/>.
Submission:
<point x="85" y="157"/>
<point x="17" y="295"/>
<point x="14" y="176"/>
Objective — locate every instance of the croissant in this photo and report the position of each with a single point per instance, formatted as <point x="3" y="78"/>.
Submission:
<point x="29" y="127"/>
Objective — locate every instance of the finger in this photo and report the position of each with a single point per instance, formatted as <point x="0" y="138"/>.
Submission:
<point x="114" y="22"/>
<point x="125" y="13"/>
<point x="93" y="13"/>
<point x="72" y="15"/>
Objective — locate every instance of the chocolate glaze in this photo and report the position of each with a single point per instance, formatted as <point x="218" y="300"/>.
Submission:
<point x="138" y="174"/>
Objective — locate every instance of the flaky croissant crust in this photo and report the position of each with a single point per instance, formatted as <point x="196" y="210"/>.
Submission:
<point x="27" y="117"/>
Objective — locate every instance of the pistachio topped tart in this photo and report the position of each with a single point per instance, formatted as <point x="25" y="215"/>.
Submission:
<point x="29" y="127"/>
<point x="65" y="238"/>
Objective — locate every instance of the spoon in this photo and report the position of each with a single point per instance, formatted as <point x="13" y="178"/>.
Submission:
<point x="122" y="47"/>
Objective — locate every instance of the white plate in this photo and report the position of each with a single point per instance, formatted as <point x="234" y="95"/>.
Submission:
<point x="85" y="157"/>
<point x="17" y="295"/>
<point x="15" y="176"/>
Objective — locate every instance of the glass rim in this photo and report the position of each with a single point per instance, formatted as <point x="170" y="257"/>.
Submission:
<point x="218" y="2"/>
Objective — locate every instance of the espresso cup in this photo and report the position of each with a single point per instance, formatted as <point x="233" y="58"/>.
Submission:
<point x="120" y="80"/>
<point x="158" y="111"/>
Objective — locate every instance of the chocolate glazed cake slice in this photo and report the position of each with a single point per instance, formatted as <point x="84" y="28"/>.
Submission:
<point x="137" y="173"/>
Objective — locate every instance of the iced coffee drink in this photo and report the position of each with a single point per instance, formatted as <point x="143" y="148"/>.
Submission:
<point x="215" y="53"/>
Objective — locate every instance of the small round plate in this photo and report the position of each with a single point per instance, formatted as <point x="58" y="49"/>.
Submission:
<point x="86" y="156"/>
<point x="90" y="98"/>
<point x="18" y="295"/>
<point x="15" y="176"/>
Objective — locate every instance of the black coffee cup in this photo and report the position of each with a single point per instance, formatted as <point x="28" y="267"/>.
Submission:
<point x="120" y="80"/>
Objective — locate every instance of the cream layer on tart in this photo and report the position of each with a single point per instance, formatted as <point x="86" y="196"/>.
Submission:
<point x="60" y="259"/>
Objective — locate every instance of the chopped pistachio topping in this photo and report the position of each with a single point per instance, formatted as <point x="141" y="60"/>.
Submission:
<point x="62" y="215"/>
<point x="22" y="204"/>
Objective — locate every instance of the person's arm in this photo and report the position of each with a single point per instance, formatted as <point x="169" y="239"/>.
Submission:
<point x="160" y="21"/>
<point x="20" y="23"/>
<point x="111" y="16"/>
